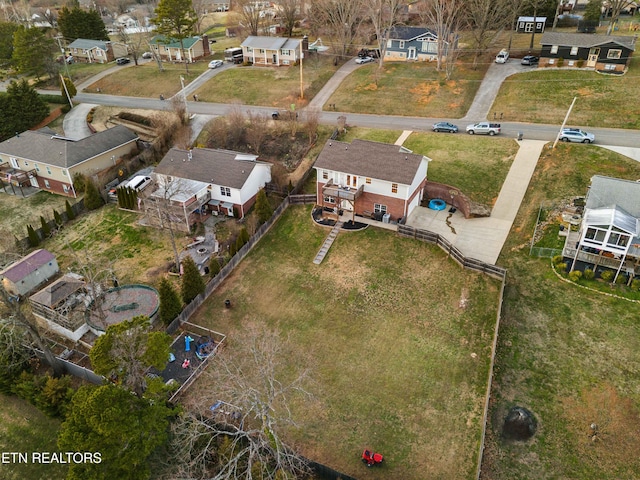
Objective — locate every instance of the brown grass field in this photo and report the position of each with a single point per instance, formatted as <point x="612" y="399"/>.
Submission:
<point x="397" y="338"/>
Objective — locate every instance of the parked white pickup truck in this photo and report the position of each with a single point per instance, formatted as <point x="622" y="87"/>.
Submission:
<point x="484" y="128"/>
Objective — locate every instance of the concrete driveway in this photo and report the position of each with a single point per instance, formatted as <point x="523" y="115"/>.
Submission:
<point x="483" y="238"/>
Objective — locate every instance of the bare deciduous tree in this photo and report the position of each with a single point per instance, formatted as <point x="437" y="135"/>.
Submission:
<point x="444" y="16"/>
<point x="257" y="130"/>
<point x="289" y="14"/>
<point x="484" y="18"/>
<point x="614" y="7"/>
<point x="310" y="126"/>
<point x="384" y="15"/>
<point x="242" y="438"/>
<point x="250" y="15"/>
<point x="340" y="19"/>
<point x="237" y="123"/>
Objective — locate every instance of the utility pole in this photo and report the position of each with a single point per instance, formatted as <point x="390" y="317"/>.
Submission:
<point x="64" y="58"/>
<point x="301" y="84"/>
<point x="64" y="85"/>
<point x="184" y="97"/>
<point x="564" y="122"/>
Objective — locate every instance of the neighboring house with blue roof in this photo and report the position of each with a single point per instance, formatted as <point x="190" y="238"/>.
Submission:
<point x="413" y="43"/>
<point x="96" y="51"/>
<point x="43" y="159"/>
<point x="170" y="50"/>
<point x="273" y="51"/>
<point x="609" y="233"/>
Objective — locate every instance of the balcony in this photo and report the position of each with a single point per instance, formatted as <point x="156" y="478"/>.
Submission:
<point x="340" y="192"/>
<point x="14" y="176"/>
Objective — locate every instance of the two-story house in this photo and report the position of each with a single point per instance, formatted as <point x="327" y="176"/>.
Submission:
<point x="203" y="179"/>
<point x="273" y="51"/>
<point x="413" y="43"/>
<point x="46" y="160"/>
<point x="96" y="51"/>
<point x="370" y="178"/>
<point x="171" y="50"/>
<point x="29" y="272"/>
<point x="604" y="53"/>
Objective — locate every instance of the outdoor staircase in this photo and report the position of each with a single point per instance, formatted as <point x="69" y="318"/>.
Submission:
<point x="327" y="243"/>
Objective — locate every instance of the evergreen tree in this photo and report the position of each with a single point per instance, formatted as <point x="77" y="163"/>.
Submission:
<point x="92" y="198"/>
<point x="7" y="29"/>
<point x="232" y="249"/>
<point x="244" y="234"/>
<point x="32" y="51"/>
<point x="67" y="208"/>
<point x="125" y="429"/>
<point x="192" y="282"/>
<point x="593" y="10"/>
<point x="57" y="217"/>
<point x="263" y="207"/>
<point x="71" y="88"/>
<point x="46" y="229"/>
<point x="170" y="304"/>
<point x="34" y="240"/>
<point x="214" y="266"/>
<point x="175" y="19"/>
<point x="22" y="108"/>
<point x="77" y="23"/>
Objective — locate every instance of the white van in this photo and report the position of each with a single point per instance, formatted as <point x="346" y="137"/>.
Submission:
<point x="139" y="183"/>
<point x="503" y="56"/>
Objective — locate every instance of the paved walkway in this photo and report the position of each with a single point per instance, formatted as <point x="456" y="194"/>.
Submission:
<point x="332" y="85"/>
<point x="483" y="238"/>
<point x="401" y="139"/>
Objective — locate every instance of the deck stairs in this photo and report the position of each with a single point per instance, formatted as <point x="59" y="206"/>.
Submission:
<point x="327" y="243"/>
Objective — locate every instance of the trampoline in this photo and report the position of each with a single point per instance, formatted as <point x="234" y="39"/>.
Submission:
<point x="437" y="204"/>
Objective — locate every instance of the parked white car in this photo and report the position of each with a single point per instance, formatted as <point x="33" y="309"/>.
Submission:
<point x="364" y="59"/>
<point x="215" y="63"/>
<point x="503" y="56"/>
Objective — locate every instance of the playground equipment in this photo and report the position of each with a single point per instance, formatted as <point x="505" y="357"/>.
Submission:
<point x="318" y="46"/>
<point x="205" y="347"/>
<point x="187" y="343"/>
<point x="437" y="204"/>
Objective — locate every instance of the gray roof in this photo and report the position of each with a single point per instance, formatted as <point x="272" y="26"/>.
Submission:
<point x="409" y="33"/>
<point x="586" y="40"/>
<point x="370" y="159"/>
<point x="271" y="43"/>
<point x="530" y="19"/>
<point x="53" y="294"/>
<point x="22" y="268"/>
<point x="43" y="147"/>
<point x="218" y="167"/>
<point x="88" y="44"/>
<point x="608" y="192"/>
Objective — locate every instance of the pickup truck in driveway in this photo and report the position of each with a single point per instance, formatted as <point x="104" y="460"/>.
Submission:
<point x="484" y="128"/>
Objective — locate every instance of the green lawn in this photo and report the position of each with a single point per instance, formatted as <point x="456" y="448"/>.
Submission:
<point x="411" y="89"/>
<point x="148" y="81"/>
<point x="24" y="429"/>
<point x="475" y="165"/>
<point x="270" y="86"/>
<point x="569" y="355"/>
<point x="396" y="335"/>
<point x="544" y="96"/>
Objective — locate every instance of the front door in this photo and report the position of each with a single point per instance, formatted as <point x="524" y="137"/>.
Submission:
<point x="594" y="53"/>
<point x="411" y="53"/>
<point x="275" y="59"/>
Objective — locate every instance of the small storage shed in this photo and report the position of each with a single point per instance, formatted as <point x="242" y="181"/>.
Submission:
<point x="526" y="24"/>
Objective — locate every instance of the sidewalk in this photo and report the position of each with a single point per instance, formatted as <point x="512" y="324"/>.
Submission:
<point x="331" y="86"/>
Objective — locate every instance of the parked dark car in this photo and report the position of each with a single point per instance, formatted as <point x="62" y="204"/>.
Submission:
<point x="530" y="60"/>
<point x="122" y="60"/>
<point x="445" y="127"/>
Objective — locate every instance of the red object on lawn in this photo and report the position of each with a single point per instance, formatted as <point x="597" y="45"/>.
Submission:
<point x="371" y="458"/>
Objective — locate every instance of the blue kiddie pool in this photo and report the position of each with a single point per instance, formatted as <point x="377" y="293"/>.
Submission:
<point x="437" y="204"/>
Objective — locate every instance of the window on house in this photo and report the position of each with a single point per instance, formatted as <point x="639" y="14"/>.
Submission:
<point x="609" y="66"/>
<point x="614" y="54"/>
<point x="65" y="188"/>
<point x="328" y="199"/>
<point x="617" y="240"/>
<point x="554" y="49"/>
<point x="538" y="26"/>
<point x="46" y="183"/>
<point x="520" y="25"/>
<point x="367" y="181"/>
<point x="286" y="52"/>
<point x="394" y="188"/>
<point x="595" y="234"/>
<point x="552" y="61"/>
<point x="389" y="43"/>
<point x="37" y="167"/>
<point x="64" y="172"/>
<point x="325" y="175"/>
<point x="249" y="49"/>
<point x="574" y="51"/>
<point x="401" y="43"/>
<point x="528" y="27"/>
<point x="48" y="170"/>
<point x="571" y="63"/>
<point x="14" y="162"/>
<point x="261" y="50"/>
<point x="377" y="208"/>
<point x="225" y="191"/>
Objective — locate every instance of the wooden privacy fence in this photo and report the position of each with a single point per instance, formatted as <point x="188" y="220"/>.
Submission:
<point x="452" y="251"/>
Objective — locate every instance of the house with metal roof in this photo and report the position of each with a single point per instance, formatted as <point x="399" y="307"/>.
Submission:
<point x="527" y="24"/>
<point x="604" y="53"/>
<point x="171" y="50"/>
<point x="43" y="159"/>
<point x="370" y="179"/>
<point x="204" y="180"/>
<point x="273" y="51"/>
<point x="609" y="233"/>
<point x="412" y="43"/>
<point x="96" y="51"/>
<point x="28" y="273"/>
